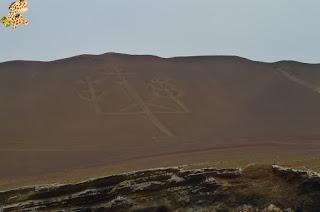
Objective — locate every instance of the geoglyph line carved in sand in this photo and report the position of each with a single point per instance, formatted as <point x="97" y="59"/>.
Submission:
<point x="168" y="88"/>
<point x="143" y="108"/>
<point x="88" y="91"/>
<point x="285" y="70"/>
<point x="137" y="105"/>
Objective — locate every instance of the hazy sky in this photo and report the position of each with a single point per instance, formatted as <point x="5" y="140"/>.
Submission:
<point x="267" y="30"/>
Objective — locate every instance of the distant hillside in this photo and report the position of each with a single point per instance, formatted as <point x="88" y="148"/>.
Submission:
<point x="95" y="110"/>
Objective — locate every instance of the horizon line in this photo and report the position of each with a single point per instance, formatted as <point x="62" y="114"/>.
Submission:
<point x="156" y="56"/>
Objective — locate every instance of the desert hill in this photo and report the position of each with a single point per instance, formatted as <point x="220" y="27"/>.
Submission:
<point x="107" y="109"/>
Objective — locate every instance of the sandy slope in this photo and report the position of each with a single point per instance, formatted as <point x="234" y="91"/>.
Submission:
<point x="109" y="109"/>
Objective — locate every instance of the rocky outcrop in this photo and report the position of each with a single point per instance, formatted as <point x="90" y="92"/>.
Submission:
<point x="291" y="174"/>
<point x="256" y="188"/>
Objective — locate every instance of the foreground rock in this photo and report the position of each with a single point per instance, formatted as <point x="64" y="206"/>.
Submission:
<point x="256" y="188"/>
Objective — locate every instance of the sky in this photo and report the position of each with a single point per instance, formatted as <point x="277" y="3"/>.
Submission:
<point x="264" y="30"/>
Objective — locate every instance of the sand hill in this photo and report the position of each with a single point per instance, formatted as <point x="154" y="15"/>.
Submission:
<point x="113" y="109"/>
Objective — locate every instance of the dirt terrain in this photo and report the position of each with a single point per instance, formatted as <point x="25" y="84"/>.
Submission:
<point x="124" y="112"/>
<point x="256" y="188"/>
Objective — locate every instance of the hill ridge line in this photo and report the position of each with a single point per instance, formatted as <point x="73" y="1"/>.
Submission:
<point x="158" y="57"/>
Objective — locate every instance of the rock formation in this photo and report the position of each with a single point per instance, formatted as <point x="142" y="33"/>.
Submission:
<point x="256" y="188"/>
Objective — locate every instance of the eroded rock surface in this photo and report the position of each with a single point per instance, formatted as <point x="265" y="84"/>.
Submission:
<point x="256" y="188"/>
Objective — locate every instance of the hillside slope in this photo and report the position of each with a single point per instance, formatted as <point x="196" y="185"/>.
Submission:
<point x="100" y="110"/>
